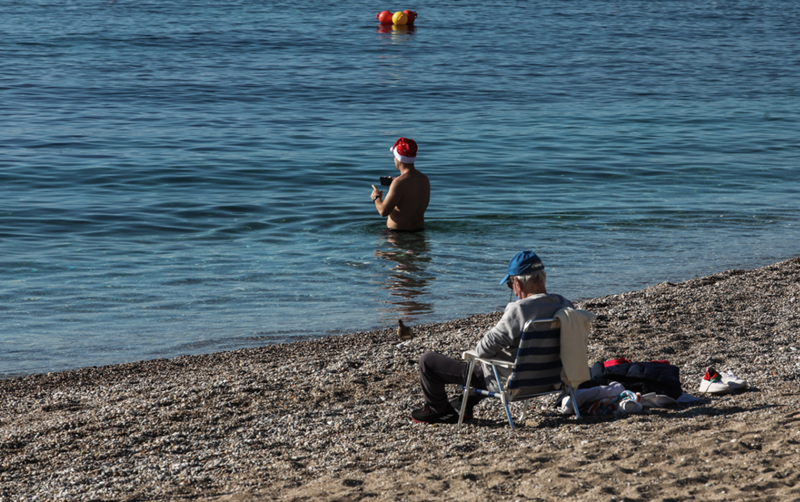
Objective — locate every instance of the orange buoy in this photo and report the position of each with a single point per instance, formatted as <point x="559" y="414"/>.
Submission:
<point x="384" y="17"/>
<point x="399" y="18"/>
<point x="412" y="15"/>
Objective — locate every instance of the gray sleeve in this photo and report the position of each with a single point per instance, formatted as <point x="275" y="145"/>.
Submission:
<point x="503" y="334"/>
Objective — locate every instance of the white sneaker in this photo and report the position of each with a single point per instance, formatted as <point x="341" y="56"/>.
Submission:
<point x="712" y="383"/>
<point x="734" y="382"/>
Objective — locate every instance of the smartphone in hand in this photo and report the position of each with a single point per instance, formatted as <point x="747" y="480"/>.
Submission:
<point x="386" y="180"/>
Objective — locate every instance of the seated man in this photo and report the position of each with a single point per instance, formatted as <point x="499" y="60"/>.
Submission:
<point x="526" y="277"/>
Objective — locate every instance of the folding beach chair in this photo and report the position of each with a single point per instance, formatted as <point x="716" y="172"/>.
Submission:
<point x="535" y="372"/>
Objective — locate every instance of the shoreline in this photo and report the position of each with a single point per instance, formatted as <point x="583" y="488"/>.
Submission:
<point x="328" y="419"/>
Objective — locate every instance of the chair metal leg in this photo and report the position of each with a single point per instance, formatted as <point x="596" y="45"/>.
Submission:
<point x="508" y="414"/>
<point x="503" y="397"/>
<point x="574" y="403"/>
<point x="466" y="394"/>
<point x="524" y="410"/>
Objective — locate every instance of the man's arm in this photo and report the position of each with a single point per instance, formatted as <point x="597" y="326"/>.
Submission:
<point x="387" y="205"/>
<point x="503" y="334"/>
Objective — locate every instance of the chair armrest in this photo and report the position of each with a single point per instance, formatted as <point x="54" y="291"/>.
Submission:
<point x="471" y="354"/>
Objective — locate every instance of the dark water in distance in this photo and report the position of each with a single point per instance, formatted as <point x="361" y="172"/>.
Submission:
<point x="194" y="176"/>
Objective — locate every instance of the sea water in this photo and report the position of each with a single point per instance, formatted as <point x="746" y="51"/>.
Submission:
<point x="181" y="177"/>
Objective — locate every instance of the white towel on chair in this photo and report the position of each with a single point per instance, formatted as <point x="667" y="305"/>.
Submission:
<point x="574" y="338"/>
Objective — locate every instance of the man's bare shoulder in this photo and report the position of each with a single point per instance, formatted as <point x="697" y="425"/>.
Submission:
<point x="411" y="177"/>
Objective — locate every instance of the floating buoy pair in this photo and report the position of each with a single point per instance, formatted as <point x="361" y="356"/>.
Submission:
<point x="399" y="17"/>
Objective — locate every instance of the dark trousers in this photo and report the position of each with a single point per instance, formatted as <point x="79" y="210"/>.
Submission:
<point x="437" y="370"/>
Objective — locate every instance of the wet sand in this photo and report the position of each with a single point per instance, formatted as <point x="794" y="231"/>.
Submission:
<point x="329" y="419"/>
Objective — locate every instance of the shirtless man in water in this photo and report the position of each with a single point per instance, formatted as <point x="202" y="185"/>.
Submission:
<point x="409" y="193"/>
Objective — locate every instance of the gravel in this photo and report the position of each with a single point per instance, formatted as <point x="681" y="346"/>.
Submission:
<point x="329" y="418"/>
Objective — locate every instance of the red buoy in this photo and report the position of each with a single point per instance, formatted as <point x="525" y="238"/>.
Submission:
<point x="384" y="17"/>
<point x="412" y="15"/>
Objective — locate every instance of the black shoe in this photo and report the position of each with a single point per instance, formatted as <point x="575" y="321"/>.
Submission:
<point x="428" y="415"/>
<point x="472" y="400"/>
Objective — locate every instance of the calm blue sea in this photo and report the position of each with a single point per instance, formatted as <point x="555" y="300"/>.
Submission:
<point x="181" y="177"/>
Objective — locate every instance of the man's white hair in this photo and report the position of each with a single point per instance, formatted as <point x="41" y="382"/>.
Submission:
<point x="537" y="276"/>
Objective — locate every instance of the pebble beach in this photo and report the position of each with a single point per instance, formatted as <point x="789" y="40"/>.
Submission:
<point x="329" y="419"/>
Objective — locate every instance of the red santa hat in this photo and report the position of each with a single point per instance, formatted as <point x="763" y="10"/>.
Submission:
<point x="405" y="150"/>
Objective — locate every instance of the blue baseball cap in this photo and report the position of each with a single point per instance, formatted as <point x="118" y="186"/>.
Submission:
<point x="523" y="263"/>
